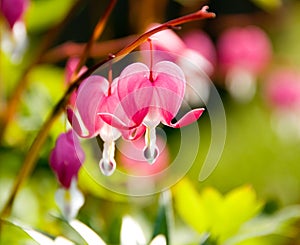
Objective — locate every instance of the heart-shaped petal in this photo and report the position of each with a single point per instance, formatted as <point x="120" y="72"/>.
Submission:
<point x="187" y="119"/>
<point x="135" y="91"/>
<point x="90" y="96"/>
<point x="169" y="86"/>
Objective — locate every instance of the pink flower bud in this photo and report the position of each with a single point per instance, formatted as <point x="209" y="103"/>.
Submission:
<point x="66" y="158"/>
<point x="13" y="10"/>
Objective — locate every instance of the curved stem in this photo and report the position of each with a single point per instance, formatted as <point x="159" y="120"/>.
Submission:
<point x="30" y="160"/>
<point x="96" y="34"/>
<point x="98" y="50"/>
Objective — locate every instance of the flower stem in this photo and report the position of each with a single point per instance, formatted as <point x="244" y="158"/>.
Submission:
<point x="96" y="34"/>
<point x="30" y="159"/>
<point x="201" y="14"/>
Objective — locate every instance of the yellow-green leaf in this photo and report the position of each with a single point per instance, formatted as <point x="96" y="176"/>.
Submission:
<point x="190" y="205"/>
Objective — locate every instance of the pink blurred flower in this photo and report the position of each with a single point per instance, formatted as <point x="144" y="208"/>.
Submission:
<point x="69" y="71"/>
<point x="13" y="10"/>
<point x="283" y="95"/>
<point x="283" y="89"/>
<point x="148" y="97"/>
<point x="200" y="42"/>
<point x="131" y="157"/>
<point x="244" y="52"/>
<point x="246" y="47"/>
<point x="66" y="158"/>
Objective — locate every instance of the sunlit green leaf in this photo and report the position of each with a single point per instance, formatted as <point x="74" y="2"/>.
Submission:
<point x="190" y="206"/>
<point x="266" y="225"/>
<point x="51" y="77"/>
<point x="268" y="4"/>
<point x="238" y="206"/>
<point x="208" y="211"/>
<point x="40" y="237"/>
<point x="46" y="13"/>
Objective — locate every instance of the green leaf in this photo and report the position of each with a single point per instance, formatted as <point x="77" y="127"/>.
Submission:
<point x="46" y="13"/>
<point x="266" y="225"/>
<point x="190" y="205"/>
<point x="238" y="206"/>
<point x="268" y="5"/>
<point x="40" y="237"/>
<point x="210" y="212"/>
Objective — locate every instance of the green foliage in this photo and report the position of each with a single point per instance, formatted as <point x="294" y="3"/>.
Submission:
<point x="211" y="212"/>
<point x="163" y="220"/>
<point x="268" y="4"/>
<point x="229" y="219"/>
<point x="256" y="164"/>
<point x="43" y="14"/>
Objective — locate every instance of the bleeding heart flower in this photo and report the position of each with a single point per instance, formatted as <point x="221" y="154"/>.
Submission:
<point x="283" y="89"/>
<point x="283" y="95"/>
<point x="200" y="43"/>
<point x="148" y="97"/>
<point x="195" y="54"/>
<point x="66" y="158"/>
<point x="244" y="52"/>
<point x="13" y="10"/>
<point x="96" y="95"/>
<point x="246" y="47"/>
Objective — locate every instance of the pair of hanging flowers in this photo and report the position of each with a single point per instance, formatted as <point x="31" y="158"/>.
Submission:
<point x="129" y="106"/>
<point x="132" y="105"/>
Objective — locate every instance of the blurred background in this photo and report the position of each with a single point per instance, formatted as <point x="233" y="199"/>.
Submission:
<point x="251" y="54"/>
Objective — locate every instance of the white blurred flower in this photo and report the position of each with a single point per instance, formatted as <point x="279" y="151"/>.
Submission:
<point x="69" y="200"/>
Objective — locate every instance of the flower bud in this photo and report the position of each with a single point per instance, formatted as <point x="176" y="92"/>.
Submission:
<point x="66" y="158"/>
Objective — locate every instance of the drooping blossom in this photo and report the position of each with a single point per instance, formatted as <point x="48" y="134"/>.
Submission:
<point x="282" y="93"/>
<point x="65" y="160"/>
<point x="96" y="95"/>
<point x="14" y="39"/>
<point x="283" y="89"/>
<point x="148" y="97"/>
<point x="200" y="42"/>
<point x="13" y="10"/>
<point x="244" y="52"/>
<point x="198" y="65"/>
<point x="195" y="54"/>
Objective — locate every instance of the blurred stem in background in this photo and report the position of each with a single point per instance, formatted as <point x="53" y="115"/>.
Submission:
<point x="12" y="104"/>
